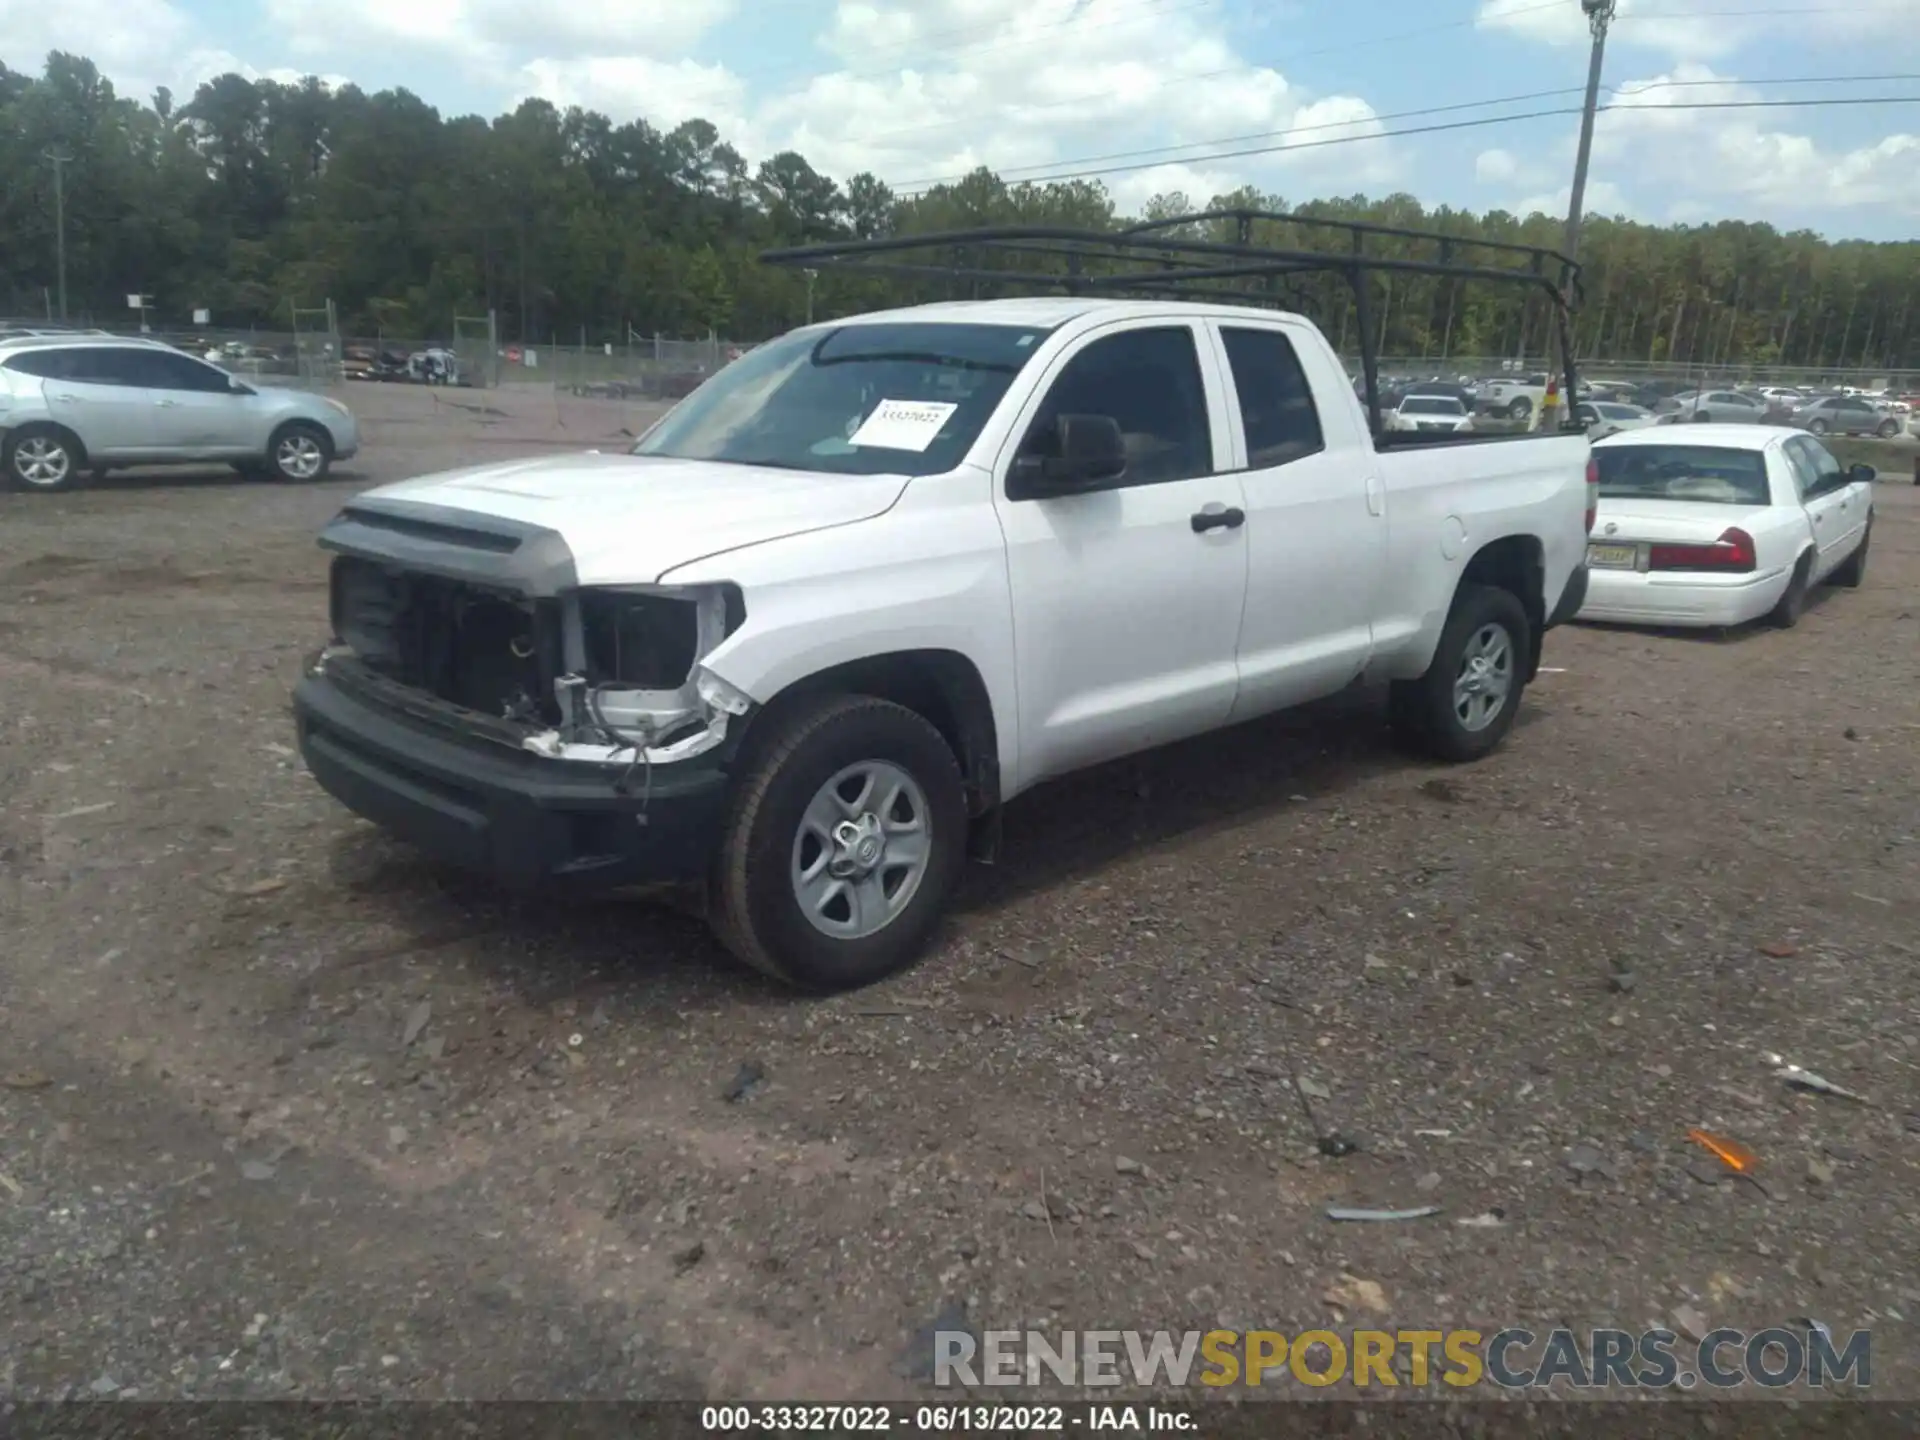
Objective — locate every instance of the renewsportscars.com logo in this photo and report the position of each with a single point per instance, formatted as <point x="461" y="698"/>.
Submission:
<point x="1510" y="1359"/>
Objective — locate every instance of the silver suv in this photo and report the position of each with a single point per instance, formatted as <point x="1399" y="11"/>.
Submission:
<point x="80" y="403"/>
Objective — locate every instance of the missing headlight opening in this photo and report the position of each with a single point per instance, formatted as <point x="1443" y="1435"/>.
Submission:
<point x="643" y="693"/>
<point x="601" y="675"/>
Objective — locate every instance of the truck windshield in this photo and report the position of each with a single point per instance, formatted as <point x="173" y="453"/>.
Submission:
<point x="888" y="398"/>
<point x="1710" y="473"/>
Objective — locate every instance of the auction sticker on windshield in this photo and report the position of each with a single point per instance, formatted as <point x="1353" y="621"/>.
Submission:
<point x="1613" y="557"/>
<point x="903" y="424"/>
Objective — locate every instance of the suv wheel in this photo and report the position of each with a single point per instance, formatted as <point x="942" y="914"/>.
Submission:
<point x="42" y="457"/>
<point x="1465" y="704"/>
<point x="848" y="833"/>
<point x="299" y="452"/>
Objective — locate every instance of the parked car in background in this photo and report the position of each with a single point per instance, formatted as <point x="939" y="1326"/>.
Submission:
<point x="1650" y="394"/>
<point x="74" y="404"/>
<point x="1430" y="412"/>
<point x="1609" y="417"/>
<point x="1512" y="399"/>
<point x="1844" y="415"/>
<point x="1722" y="524"/>
<point x="1716" y="407"/>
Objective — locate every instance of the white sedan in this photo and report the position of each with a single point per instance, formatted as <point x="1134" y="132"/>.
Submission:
<point x="1722" y="524"/>
<point x="1609" y="417"/>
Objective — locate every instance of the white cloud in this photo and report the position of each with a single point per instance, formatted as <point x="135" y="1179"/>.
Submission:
<point x="1031" y="87"/>
<point x="1655" y="159"/>
<point x="123" y="37"/>
<point x="487" y="35"/>
<point x="1709" y="33"/>
<point x="673" y="90"/>
<point x="1495" y="167"/>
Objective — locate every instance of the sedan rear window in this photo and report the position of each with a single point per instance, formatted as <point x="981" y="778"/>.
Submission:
<point x="1702" y="473"/>
<point x="1431" y="405"/>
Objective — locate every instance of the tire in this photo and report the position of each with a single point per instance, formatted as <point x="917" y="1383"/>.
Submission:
<point x="1887" y="430"/>
<point x="1793" y="600"/>
<point x="1853" y="570"/>
<point x="1426" y="714"/>
<point x="1816" y="426"/>
<point x="1520" y="409"/>
<point x="299" y="453"/>
<point x="43" y="458"/>
<point x="770" y="847"/>
<point x="1702" y="417"/>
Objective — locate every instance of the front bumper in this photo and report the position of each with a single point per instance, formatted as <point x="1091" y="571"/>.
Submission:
<point x="525" y="820"/>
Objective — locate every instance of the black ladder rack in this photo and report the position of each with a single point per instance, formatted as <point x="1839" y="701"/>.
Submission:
<point x="1163" y="259"/>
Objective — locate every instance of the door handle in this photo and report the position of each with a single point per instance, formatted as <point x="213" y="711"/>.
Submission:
<point x="70" y="399"/>
<point x="1218" y="517"/>
<point x="166" y="403"/>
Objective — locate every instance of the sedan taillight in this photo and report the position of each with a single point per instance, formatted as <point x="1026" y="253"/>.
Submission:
<point x="1732" y="554"/>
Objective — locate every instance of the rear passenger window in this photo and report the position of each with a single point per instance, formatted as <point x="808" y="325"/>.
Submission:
<point x="41" y="364"/>
<point x="1276" y="403"/>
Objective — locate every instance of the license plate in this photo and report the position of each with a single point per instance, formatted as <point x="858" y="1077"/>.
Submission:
<point x="1613" y="557"/>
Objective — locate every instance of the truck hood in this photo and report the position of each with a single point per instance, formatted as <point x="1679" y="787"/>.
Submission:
<point x="628" y="519"/>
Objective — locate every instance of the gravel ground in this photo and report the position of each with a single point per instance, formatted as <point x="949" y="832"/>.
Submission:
<point x="289" y="1112"/>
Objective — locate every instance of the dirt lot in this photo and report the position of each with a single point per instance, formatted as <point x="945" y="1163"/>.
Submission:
<point x="289" y="1112"/>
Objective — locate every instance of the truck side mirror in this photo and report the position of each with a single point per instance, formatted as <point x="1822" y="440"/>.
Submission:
<point x="1086" y="452"/>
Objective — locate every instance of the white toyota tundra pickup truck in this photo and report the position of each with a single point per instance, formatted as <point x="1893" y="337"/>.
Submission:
<point x="879" y="576"/>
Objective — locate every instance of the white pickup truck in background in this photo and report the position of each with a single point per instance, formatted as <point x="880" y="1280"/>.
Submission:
<point x="1515" y="399"/>
<point x="882" y="574"/>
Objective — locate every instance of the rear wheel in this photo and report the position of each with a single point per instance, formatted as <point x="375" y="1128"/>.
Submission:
<point x="42" y="457"/>
<point x="1793" y="600"/>
<point x="1465" y="704"/>
<point x="1520" y="409"/>
<point x="848" y="833"/>
<point x="1854" y="569"/>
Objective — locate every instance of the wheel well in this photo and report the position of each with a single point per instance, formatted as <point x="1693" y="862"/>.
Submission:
<point x="1517" y="564"/>
<point x="943" y="686"/>
<point x="67" y="436"/>
<point x="298" y="423"/>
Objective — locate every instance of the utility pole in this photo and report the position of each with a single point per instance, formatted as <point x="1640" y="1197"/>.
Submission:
<point x="1599" y="15"/>
<point x="60" y="159"/>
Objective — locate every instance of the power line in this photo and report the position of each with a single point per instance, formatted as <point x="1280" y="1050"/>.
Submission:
<point x="1624" y="91"/>
<point x="1478" y="123"/>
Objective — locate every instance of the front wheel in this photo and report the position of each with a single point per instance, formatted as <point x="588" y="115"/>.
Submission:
<point x="299" y="453"/>
<point x="1888" y="429"/>
<point x="847" y="836"/>
<point x="1465" y="704"/>
<point x="1817" y="427"/>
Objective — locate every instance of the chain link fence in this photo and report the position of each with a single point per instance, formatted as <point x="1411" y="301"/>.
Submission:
<point x="1476" y="368"/>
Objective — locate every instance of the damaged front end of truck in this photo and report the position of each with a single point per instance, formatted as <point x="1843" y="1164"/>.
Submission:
<point x="478" y="626"/>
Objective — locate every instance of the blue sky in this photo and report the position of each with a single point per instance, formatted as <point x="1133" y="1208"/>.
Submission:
<point x="921" y="89"/>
